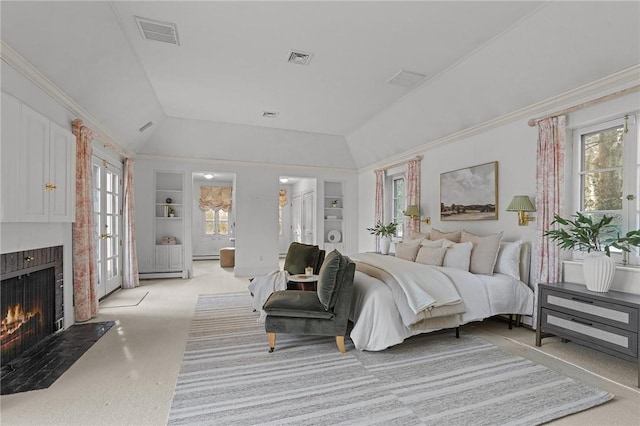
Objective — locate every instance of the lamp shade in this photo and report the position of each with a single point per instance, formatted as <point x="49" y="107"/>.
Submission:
<point x="412" y="211"/>
<point x="521" y="203"/>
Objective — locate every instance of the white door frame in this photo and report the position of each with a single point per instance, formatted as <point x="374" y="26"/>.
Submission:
<point x="108" y="198"/>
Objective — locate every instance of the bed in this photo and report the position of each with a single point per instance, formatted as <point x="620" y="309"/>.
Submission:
<point x="387" y="305"/>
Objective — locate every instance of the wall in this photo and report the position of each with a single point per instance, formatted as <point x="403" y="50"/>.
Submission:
<point x="256" y="204"/>
<point x="27" y="236"/>
<point x="512" y="143"/>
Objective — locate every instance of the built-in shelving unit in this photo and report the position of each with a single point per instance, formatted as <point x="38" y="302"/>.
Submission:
<point x="169" y="222"/>
<point x="333" y="209"/>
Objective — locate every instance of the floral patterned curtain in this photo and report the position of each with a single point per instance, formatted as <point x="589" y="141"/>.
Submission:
<point x="549" y="196"/>
<point x="215" y="198"/>
<point x="130" y="277"/>
<point x="283" y="197"/>
<point x="379" y="199"/>
<point x="413" y="191"/>
<point x="85" y="277"/>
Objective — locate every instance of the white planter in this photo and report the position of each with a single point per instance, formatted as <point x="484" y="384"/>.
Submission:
<point x="385" y="244"/>
<point x="598" y="269"/>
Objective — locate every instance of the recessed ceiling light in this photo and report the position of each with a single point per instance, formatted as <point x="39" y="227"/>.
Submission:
<point x="208" y="176"/>
<point x="284" y="180"/>
<point x="406" y="78"/>
<point x="270" y="114"/>
<point x="300" y="58"/>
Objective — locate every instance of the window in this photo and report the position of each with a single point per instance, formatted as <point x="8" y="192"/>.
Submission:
<point x="607" y="175"/>
<point x="398" y="206"/>
<point x="216" y="222"/>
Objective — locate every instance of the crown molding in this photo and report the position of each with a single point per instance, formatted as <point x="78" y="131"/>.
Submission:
<point x="628" y="76"/>
<point x="31" y="73"/>
<point x="238" y="163"/>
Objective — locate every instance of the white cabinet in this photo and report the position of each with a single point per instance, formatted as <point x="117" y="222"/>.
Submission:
<point x="333" y="210"/>
<point x="169" y="257"/>
<point x="169" y="222"/>
<point x="38" y="166"/>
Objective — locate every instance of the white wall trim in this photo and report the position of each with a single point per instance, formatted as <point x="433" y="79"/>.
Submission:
<point x="31" y="73"/>
<point x="630" y="75"/>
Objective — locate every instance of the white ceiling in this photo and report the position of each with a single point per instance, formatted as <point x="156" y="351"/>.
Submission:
<point x="231" y="64"/>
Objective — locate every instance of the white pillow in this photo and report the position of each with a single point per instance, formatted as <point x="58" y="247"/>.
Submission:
<point x="431" y="255"/>
<point x="434" y="244"/>
<point x="484" y="252"/>
<point x="509" y="259"/>
<point x="412" y="242"/>
<point x="407" y="251"/>
<point x="458" y="255"/>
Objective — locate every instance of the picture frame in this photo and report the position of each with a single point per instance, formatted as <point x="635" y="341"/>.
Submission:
<point x="470" y="193"/>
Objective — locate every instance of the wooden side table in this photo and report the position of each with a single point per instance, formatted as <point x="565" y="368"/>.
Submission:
<point x="608" y="322"/>
<point x="303" y="282"/>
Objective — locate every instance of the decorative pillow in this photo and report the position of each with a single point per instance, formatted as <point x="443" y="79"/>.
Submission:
<point x="431" y="255"/>
<point x="328" y="277"/>
<point x="299" y="256"/>
<point x="451" y="236"/>
<point x="509" y="259"/>
<point x="457" y="255"/>
<point x="415" y="235"/>
<point x="407" y="251"/>
<point x="484" y="252"/>
<point x="434" y="244"/>
<point x="413" y="242"/>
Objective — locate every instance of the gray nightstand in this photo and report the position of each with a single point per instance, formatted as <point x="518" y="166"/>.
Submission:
<point x="608" y="322"/>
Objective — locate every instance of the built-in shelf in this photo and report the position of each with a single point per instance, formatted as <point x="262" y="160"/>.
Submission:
<point x="333" y="210"/>
<point x="169" y="214"/>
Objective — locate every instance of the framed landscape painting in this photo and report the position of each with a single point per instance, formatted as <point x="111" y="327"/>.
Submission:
<point x="470" y="193"/>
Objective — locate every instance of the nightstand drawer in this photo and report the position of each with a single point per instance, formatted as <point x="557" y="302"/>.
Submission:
<point x="580" y="328"/>
<point x="622" y="316"/>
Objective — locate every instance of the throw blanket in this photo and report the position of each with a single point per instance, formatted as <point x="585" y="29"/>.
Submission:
<point x="425" y="288"/>
<point x="263" y="285"/>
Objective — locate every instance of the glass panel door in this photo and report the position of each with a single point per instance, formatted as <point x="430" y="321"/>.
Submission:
<point x="107" y="201"/>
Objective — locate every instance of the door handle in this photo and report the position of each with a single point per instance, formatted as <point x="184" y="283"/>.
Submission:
<point x="104" y="236"/>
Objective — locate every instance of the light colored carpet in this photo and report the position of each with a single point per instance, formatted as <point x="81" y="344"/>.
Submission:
<point x="228" y="377"/>
<point x="123" y="298"/>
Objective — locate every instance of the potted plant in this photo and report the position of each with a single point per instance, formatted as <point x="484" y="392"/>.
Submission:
<point x="385" y="232"/>
<point x="596" y="238"/>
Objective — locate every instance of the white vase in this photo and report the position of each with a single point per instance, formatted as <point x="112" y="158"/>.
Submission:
<point x="598" y="269"/>
<point x="385" y="243"/>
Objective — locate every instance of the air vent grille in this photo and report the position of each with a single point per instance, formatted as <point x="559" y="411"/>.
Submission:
<point x="406" y="78"/>
<point x="299" y="57"/>
<point x="270" y="114"/>
<point x="165" y="32"/>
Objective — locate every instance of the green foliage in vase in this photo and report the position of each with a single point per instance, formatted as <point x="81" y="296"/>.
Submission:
<point x="384" y="230"/>
<point x="585" y="234"/>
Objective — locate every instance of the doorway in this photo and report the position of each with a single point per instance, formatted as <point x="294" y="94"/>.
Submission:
<point x="298" y="215"/>
<point x="107" y="202"/>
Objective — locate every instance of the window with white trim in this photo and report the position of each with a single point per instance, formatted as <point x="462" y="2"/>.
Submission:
<point x="216" y="222"/>
<point x="398" y="204"/>
<point x="606" y="165"/>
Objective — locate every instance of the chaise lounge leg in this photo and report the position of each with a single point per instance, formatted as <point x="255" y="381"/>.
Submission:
<point x="272" y="341"/>
<point x="340" y="343"/>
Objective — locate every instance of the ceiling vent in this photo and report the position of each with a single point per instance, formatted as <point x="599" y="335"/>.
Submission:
<point x="299" y="57"/>
<point x="270" y="114"/>
<point x="165" y="32"/>
<point x="406" y="78"/>
<point x="146" y="126"/>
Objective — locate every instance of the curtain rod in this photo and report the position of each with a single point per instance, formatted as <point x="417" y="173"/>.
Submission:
<point x="534" y="121"/>
<point x="417" y="157"/>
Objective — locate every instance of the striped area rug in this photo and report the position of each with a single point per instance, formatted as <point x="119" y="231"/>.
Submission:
<point x="228" y="377"/>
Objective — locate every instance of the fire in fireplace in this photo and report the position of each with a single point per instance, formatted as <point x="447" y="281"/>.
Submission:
<point x="30" y="300"/>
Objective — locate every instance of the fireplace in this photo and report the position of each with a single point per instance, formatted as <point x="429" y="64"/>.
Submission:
<point x="31" y="299"/>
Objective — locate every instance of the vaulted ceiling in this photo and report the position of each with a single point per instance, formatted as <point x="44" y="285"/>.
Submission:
<point x="478" y="60"/>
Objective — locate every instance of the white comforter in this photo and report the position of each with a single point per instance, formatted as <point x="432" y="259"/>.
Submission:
<point x="378" y="321"/>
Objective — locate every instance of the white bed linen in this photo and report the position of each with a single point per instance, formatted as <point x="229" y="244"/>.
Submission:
<point x="379" y="325"/>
